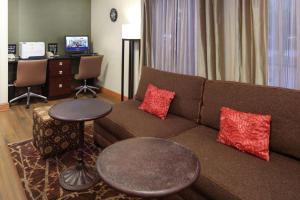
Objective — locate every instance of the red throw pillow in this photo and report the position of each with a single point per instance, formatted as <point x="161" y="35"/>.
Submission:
<point x="245" y="131"/>
<point x="157" y="101"/>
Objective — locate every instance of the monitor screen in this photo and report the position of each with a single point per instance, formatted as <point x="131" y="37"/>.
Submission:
<point x="77" y="43"/>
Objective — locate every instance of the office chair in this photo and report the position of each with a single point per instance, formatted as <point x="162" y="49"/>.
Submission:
<point x="30" y="73"/>
<point x="89" y="67"/>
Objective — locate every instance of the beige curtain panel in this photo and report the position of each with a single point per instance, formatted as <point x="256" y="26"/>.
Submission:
<point x="231" y="42"/>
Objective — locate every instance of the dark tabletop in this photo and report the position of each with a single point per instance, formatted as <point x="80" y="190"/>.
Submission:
<point x="148" y="167"/>
<point x="80" y="110"/>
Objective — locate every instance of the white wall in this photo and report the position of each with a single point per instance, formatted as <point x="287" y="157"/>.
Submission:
<point x="106" y="38"/>
<point x="3" y="51"/>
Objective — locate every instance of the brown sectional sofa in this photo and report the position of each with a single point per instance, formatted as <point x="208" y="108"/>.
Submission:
<point x="193" y="121"/>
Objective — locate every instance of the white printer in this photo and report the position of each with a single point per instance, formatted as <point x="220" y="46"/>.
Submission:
<point x="31" y="49"/>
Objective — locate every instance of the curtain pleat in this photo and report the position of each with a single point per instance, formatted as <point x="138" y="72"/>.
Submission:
<point x="259" y="10"/>
<point x="146" y="34"/>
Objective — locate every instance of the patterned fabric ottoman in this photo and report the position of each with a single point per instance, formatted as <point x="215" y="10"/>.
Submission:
<point x="52" y="137"/>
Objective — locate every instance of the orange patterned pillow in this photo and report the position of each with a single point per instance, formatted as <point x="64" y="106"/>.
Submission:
<point x="245" y="131"/>
<point x="157" y="101"/>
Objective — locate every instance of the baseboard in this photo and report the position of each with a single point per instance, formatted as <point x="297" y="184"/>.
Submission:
<point x="4" y="107"/>
<point x="111" y="93"/>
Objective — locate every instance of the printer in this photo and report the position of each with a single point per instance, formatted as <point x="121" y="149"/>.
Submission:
<point x="31" y="49"/>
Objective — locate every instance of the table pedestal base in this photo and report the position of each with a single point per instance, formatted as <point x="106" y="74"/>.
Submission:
<point x="79" y="177"/>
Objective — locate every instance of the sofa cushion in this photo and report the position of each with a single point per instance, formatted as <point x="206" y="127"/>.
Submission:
<point x="227" y="173"/>
<point x="157" y="101"/>
<point x="188" y="91"/>
<point x="126" y="121"/>
<point x="245" y="131"/>
<point x="281" y="104"/>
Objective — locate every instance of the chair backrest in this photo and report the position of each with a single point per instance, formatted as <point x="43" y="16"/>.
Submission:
<point x="31" y="73"/>
<point x="89" y="67"/>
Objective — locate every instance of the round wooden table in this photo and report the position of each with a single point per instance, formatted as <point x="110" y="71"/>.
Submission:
<point x="81" y="176"/>
<point x="148" y="167"/>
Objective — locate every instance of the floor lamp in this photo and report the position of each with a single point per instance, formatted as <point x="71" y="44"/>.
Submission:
<point x="131" y="34"/>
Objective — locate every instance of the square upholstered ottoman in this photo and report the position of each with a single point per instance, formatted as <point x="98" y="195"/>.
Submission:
<point x="52" y="137"/>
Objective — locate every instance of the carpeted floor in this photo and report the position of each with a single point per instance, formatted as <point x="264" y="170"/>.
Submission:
<point x="40" y="177"/>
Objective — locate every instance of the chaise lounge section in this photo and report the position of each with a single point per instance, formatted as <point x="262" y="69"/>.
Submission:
<point x="193" y="121"/>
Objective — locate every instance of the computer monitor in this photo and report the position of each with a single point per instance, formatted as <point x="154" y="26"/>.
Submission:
<point x="77" y="44"/>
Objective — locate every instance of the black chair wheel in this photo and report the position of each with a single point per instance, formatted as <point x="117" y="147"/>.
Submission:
<point x="27" y="106"/>
<point x="75" y="97"/>
<point x="94" y="96"/>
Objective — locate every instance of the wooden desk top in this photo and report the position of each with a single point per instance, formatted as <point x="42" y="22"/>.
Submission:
<point x="62" y="57"/>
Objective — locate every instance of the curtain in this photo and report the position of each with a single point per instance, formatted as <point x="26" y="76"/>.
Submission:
<point x="284" y="43"/>
<point x="146" y="34"/>
<point x="217" y="39"/>
<point x="170" y="35"/>
<point x="233" y="44"/>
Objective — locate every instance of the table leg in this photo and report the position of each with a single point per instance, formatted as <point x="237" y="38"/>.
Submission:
<point x="81" y="176"/>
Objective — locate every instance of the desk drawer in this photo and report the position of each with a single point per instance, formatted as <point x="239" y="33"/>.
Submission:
<point x="59" y="68"/>
<point x="59" y="86"/>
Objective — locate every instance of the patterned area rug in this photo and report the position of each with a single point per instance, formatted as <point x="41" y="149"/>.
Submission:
<point x="40" y="177"/>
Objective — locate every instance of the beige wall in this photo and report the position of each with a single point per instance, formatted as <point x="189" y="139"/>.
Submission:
<point x="106" y="38"/>
<point x="3" y="51"/>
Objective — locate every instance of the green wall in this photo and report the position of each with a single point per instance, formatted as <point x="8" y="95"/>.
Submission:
<point x="48" y="20"/>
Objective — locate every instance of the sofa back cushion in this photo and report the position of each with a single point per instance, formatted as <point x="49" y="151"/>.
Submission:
<point x="282" y="104"/>
<point x="188" y="91"/>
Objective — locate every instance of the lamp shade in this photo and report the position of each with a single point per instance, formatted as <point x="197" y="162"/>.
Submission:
<point x="131" y="31"/>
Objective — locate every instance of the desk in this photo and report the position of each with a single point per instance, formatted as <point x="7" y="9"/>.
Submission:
<point x="60" y="71"/>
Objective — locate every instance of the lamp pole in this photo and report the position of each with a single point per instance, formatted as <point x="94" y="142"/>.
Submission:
<point x="130" y="67"/>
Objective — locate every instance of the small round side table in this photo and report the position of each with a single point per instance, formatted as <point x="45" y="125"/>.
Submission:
<point x="81" y="176"/>
<point x="148" y="167"/>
